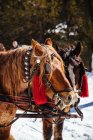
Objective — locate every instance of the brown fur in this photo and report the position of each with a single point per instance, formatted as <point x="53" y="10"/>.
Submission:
<point x="5" y="133"/>
<point x="58" y="131"/>
<point x="47" y="129"/>
<point x="11" y="79"/>
<point x="6" y="111"/>
<point x="11" y="69"/>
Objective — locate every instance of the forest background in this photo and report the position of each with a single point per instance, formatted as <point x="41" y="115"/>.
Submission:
<point x="65" y="21"/>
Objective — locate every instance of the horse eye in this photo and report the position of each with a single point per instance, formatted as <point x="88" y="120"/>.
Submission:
<point x="47" y="68"/>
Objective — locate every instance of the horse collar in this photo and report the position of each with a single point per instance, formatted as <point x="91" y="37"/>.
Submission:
<point x="27" y="66"/>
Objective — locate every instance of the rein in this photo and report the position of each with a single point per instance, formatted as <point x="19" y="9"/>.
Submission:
<point x="56" y="93"/>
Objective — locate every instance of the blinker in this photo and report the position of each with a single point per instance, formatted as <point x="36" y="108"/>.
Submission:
<point x="47" y="68"/>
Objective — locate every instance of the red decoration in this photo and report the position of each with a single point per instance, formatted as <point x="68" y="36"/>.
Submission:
<point x="84" y="87"/>
<point x="39" y="90"/>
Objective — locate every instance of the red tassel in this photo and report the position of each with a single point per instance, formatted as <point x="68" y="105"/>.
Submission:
<point x="39" y="91"/>
<point x="84" y="88"/>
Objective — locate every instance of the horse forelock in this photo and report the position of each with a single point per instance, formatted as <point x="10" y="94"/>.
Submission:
<point x="50" y="48"/>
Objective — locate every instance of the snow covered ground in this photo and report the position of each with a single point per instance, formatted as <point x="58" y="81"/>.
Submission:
<point x="74" y="129"/>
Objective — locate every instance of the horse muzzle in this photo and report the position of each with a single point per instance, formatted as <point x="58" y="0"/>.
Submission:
<point x="70" y="101"/>
<point x="76" y="99"/>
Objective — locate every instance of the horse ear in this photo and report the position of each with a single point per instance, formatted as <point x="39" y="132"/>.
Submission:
<point x="37" y="46"/>
<point x="48" y="41"/>
<point x="77" y="49"/>
<point x="34" y="43"/>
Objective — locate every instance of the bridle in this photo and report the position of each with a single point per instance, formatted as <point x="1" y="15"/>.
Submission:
<point x="76" y="64"/>
<point x="73" y="62"/>
<point x="28" y="76"/>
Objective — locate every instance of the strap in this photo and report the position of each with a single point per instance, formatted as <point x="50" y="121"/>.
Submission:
<point x="79" y="112"/>
<point x="53" y="89"/>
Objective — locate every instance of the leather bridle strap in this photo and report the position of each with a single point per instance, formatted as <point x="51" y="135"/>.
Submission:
<point x="48" y="83"/>
<point x="65" y="90"/>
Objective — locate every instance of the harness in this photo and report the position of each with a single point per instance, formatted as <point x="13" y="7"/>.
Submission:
<point x="21" y="102"/>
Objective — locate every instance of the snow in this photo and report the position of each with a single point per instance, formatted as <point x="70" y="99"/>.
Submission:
<point x="60" y="28"/>
<point x="74" y="129"/>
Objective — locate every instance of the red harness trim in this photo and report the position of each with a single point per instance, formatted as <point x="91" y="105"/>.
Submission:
<point x="84" y="87"/>
<point x="39" y="90"/>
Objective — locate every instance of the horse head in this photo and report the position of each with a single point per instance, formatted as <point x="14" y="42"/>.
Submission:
<point x="22" y="63"/>
<point x="73" y="64"/>
<point x="56" y="75"/>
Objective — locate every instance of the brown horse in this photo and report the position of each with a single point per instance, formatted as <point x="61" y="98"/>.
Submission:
<point x="14" y="83"/>
<point x="74" y="71"/>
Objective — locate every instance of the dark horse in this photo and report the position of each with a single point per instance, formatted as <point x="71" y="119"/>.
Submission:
<point x="74" y="69"/>
<point x="14" y="79"/>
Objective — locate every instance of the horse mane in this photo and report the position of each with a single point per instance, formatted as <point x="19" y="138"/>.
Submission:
<point x="10" y="70"/>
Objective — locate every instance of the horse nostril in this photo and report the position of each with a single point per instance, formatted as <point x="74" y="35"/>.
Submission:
<point x="69" y="98"/>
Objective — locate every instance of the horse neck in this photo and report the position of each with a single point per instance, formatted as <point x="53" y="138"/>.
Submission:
<point x="11" y="72"/>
